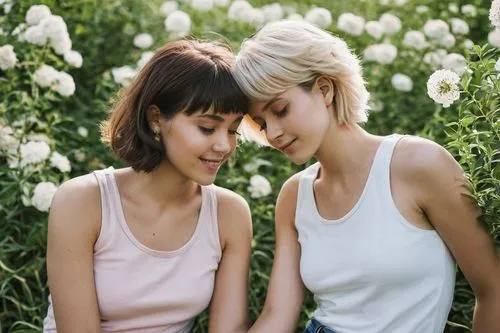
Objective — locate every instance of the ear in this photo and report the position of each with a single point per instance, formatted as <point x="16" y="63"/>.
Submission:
<point x="153" y="116"/>
<point x="326" y="87"/>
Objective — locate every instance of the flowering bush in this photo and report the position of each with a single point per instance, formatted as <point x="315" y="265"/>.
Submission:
<point x="62" y="63"/>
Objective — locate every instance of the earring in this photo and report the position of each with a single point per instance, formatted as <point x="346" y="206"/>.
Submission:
<point x="156" y="133"/>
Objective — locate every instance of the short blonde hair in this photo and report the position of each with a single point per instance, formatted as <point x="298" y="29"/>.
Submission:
<point x="288" y="53"/>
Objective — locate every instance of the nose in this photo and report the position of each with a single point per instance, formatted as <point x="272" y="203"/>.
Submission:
<point x="274" y="132"/>
<point x="222" y="144"/>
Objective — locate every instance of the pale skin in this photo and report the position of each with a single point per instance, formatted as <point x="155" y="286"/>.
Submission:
<point x="428" y="187"/>
<point x="169" y="199"/>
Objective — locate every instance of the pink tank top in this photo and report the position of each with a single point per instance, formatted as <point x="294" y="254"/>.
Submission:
<point x="144" y="290"/>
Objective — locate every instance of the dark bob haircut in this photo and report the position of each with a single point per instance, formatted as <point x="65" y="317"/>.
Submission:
<point x="182" y="76"/>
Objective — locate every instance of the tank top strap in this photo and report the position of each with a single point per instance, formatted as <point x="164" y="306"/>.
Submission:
<point x="109" y="221"/>
<point x="305" y="194"/>
<point x="381" y="167"/>
<point x="209" y="216"/>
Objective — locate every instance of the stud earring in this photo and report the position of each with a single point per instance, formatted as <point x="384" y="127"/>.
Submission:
<point x="157" y="136"/>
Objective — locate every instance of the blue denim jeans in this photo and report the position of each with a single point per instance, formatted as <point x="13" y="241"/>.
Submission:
<point x="315" y="326"/>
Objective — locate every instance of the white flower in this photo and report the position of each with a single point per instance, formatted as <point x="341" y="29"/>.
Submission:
<point x="34" y="152"/>
<point x="443" y="88"/>
<point x="495" y="13"/>
<point x="320" y="17"/>
<point x="468" y="44"/>
<point x="259" y="186"/>
<point x="35" y="35"/>
<point x="42" y="196"/>
<point x="54" y="26"/>
<point x="37" y="13"/>
<point x="83" y="131"/>
<point x="392" y="24"/>
<point x="469" y="10"/>
<point x="436" y="29"/>
<point x="255" y="164"/>
<point x="79" y="155"/>
<point x="7" y="5"/>
<point x="447" y="41"/>
<point x="255" y="17"/>
<point x="238" y="10"/>
<point x="497" y="65"/>
<point x="60" y="162"/>
<point x="221" y="3"/>
<point x="375" y="105"/>
<point x="145" y="57"/>
<point x="168" y="7"/>
<point x="382" y="53"/>
<point x="459" y="26"/>
<point x="374" y="29"/>
<point x="8" y="58"/>
<point x="7" y="140"/>
<point x="295" y="16"/>
<point x="74" y="58"/>
<point x="61" y="45"/>
<point x="422" y="9"/>
<point x="402" y="82"/>
<point x="64" y="84"/>
<point x="432" y="59"/>
<point x="2" y="32"/>
<point x="494" y="38"/>
<point x="19" y="29"/>
<point x="400" y="3"/>
<point x="202" y="5"/>
<point x="123" y="75"/>
<point x="455" y="62"/>
<point x="273" y="12"/>
<point x="453" y="7"/>
<point x="350" y="23"/>
<point x="45" y="76"/>
<point x="143" y="41"/>
<point x="178" y="23"/>
<point x="415" y="39"/>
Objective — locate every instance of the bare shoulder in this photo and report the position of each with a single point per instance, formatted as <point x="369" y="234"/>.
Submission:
<point x="77" y="205"/>
<point x="290" y="188"/>
<point x="230" y="202"/>
<point x="234" y="217"/>
<point x="419" y="158"/>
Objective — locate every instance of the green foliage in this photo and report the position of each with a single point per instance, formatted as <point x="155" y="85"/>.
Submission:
<point x="103" y="32"/>
<point x="474" y="139"/>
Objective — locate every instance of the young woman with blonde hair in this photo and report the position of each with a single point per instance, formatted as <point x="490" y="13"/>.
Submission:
<point x="375" y="227"/>
<point x="148" y="247"/>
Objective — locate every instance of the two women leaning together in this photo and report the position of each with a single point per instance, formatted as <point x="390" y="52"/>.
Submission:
<point x="374" y="229"/>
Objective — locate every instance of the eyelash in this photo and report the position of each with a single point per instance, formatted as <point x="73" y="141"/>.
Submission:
<point x="209" y="131"/>
<point x="279" y="114"/>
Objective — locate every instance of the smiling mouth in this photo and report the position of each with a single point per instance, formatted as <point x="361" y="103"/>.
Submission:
<point x="284" y="147"/>
<point x="212" y="164"/>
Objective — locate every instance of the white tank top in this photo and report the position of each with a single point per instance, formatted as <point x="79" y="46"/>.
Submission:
<point x="372" y="271"/>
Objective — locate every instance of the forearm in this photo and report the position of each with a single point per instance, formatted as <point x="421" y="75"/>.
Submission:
<point x="486" y="314"/>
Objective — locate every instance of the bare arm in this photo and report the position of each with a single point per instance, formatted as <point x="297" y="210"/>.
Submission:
<point x="445" y="198"/>
<point x="74" y="223"/>
<point x="229" y="306"/>
<point x="285" y="293"/>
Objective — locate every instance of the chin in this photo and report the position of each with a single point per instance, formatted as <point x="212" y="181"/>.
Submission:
<point x="204" y="180"/>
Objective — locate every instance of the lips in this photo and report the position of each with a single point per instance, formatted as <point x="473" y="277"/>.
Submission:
<point x="211" y="164"/>
<point x="285" y="146"/>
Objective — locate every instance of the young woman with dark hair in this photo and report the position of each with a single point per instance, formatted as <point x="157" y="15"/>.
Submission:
<point x="148" y="247"/>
